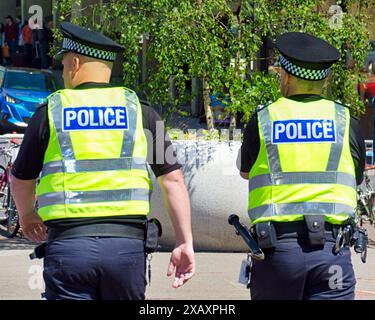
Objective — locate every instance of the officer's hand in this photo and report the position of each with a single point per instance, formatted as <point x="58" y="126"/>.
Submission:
<point x="33" y="227"/>
<point x="183" y="261"/>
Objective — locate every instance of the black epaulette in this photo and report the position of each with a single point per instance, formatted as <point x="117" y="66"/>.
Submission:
<point x="340" y="103"/>
<point x="260" y="107"/>
<point x="351" y="110"/>
<point x="42" y="105"/>
<point x="343" y="104"/>
<point x="144" y="103"/>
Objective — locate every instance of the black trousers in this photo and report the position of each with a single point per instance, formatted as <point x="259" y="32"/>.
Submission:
<point x="93" y="268"/>
<point x="295" y="271"/>
<point x="28" y="48"/>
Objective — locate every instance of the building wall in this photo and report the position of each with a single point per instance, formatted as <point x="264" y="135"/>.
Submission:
<point x="7" y="7"/>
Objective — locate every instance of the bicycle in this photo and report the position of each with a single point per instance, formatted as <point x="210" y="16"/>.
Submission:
<point x="366" y="201"/>
<point x="8" y="206"/>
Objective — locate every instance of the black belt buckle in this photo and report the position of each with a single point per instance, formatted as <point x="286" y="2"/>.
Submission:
<point x="153" y="232"/>
<point x="315" y="229"/>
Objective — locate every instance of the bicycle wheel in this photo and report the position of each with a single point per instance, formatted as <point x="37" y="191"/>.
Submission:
<point x="371" y="201"/>
<point x="13" y="224"/>
<point x="372" y="213"/>
<point x="3" y="195"/>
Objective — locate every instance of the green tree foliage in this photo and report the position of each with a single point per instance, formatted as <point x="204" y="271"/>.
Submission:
<point x="218" y="41"/>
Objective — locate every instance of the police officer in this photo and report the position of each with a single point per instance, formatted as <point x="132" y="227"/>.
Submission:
<point x="92" y="144"/>
<point x="303" y="156"/>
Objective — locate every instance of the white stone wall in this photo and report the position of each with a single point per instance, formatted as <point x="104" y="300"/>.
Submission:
<point x="216" y="190"/>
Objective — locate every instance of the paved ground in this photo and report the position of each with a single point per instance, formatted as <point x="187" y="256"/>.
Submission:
<point x="216" y="278"/>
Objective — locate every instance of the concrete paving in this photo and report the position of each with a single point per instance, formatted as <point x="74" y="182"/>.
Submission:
<point x="216" y="277"/>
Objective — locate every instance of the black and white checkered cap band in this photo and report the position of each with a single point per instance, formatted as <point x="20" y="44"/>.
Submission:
<point x="71" y="45"/>
<point x="300" y="72"/>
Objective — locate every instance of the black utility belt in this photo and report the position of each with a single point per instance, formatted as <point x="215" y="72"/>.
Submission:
<point x="313" y="229"/>
<point x="148" y="230"/>
<point x="127" y="230"/>
<point x="300" y="230"/>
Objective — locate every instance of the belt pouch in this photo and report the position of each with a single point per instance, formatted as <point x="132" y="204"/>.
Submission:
<point x="153" y="232"/>
<point x="315" y="229"/>
<point x="266" y="235"/>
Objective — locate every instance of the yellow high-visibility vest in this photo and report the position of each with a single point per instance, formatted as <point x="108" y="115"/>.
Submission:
<point x="304" y="164"/>
<point x="95" y="163"/>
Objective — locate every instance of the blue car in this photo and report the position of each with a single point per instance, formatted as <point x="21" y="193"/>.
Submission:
<point x="22" y="91"/>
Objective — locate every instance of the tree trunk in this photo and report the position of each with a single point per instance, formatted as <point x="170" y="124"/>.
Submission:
<point x="206" y="104"/>
<point x="144" y="57"/>
<point x="233" y="121"/>
<point x="76" y="10"/>
<point x="206" y="93"/>
<point x="237" y="66"/>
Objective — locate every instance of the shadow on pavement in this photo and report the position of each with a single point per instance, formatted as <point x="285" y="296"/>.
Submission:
<point x="16" y="243"/>
<point x="371" y="243"/>
<point x="371" y="234"/>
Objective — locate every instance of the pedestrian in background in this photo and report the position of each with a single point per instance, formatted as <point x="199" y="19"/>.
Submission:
<point x="1" y="42"/>
<point x="41" y="46"/>
<point x="27" y="37"/>
<point x="49" y="38"/>
<point x="19" y="39"/>
<point x="35" y="27"/>
<point x="11" y="37"/>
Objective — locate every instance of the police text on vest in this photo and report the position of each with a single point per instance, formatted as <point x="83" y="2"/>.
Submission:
<point x="95" y="118"/>
<point x="302" y="131"/>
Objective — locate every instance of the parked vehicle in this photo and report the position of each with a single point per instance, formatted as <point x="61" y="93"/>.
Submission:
<point x="22" y="90"/>
<point x="370" y="59"/>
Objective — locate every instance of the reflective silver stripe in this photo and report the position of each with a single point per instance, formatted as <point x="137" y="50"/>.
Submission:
<point x="65" y="142"/>
<point x="73" y="166"/>
<point x="272" y="149"/>
<point x="305" y="208"/>
<point x="336" y="148"/>
<point x="280" y="178"/>
<point x="131" y="102"/>
<point x="72" y="197"/>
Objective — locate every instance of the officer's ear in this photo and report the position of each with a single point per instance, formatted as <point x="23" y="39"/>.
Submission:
<point x="76" y="63"/>
<point x="285" y="77"/>
<point x="284" y="82"/>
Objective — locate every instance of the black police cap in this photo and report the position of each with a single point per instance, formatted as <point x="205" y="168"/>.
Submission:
<point x="306" y="56"/>
<point x="87" y="43"/>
